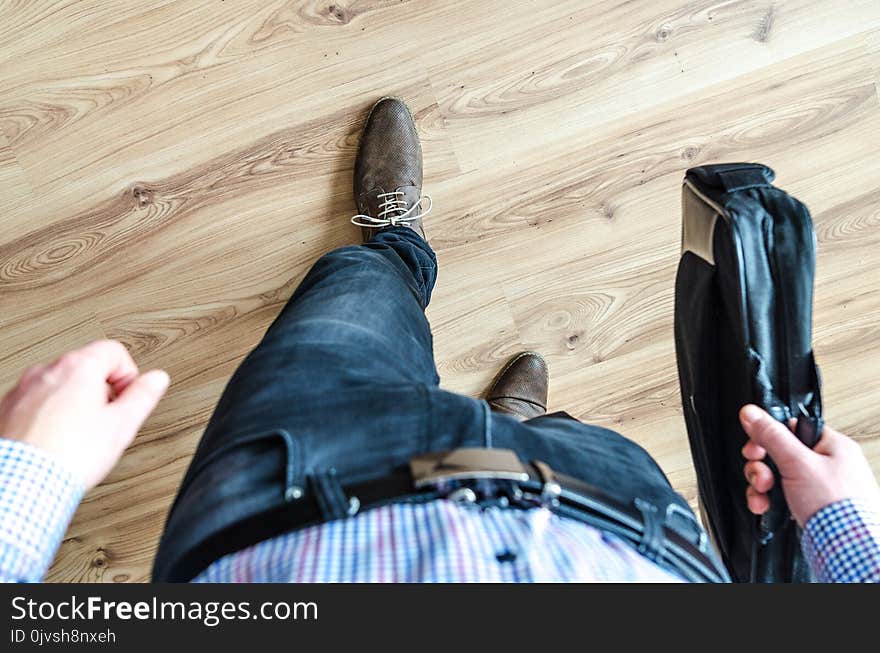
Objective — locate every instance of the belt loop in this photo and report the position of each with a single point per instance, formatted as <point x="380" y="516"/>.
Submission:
<point x="699" y="539"/>
<point x="487" y="425"/>
<point x="653" y="542"/>
<point x="292" y="491"/>
<point x="330" y="496"/>
<point x="550" y="488"/>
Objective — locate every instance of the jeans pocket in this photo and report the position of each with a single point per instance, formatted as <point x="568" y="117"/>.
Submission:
<point x="293" y="467"/>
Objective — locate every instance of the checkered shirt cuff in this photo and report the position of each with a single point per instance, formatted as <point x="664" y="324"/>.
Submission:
<point x="37" y="500"/>
<point x="842" y="542"/>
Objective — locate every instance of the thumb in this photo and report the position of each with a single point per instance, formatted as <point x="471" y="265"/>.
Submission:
<point x="135" y="403"/>
<point x="782" y="445"/>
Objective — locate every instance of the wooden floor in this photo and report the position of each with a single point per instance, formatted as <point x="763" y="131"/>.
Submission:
<point x="170" y="170"/>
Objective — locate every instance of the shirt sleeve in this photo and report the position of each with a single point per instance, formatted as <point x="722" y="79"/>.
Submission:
<point x="37" y="500"/>
<point x="842" y="542"/>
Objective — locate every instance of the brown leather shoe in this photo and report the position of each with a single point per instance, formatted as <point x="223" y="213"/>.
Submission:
<point x="388" y="171"/>
<point x="521" y="387"/>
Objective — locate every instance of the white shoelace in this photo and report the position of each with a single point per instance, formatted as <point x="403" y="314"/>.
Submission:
<point x="393" y="211"/>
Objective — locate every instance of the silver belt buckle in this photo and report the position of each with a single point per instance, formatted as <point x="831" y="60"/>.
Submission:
<point x="444" y="467"/>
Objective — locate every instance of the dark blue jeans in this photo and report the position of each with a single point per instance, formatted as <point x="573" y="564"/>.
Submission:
<point x="343" y="389"/>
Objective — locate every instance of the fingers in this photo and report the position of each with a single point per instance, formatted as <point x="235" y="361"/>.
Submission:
<point x="758" y="503"/>
<point x="759" y="476"/>
<point x="753" y="451"/>
<point x="135" y="403"/>
<point x="761" y="481"/>
<point x="110" y="359"/>
<point x="778" y="441"/>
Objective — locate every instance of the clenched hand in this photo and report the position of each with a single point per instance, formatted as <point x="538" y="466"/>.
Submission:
<point x="84" y="409"/>
<point x="833" y="470"/>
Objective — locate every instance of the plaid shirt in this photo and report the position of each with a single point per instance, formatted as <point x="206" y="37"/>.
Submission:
<point x="37" y="500"/>
<point x="437" y="541"/>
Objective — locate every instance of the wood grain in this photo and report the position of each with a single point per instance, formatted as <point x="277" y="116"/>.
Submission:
<point x="169" y="171"/>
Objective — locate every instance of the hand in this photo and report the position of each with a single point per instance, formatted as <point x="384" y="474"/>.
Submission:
<point x="834" y="469"/>
<point x="84" y="409"/>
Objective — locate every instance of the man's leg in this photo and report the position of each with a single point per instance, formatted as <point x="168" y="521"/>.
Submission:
<point x="356" y="319"/>
<point x="340" y="380"/>
<point x="353" y="339"/>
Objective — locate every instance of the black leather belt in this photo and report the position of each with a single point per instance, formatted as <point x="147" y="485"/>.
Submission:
<point x="473" y="474"/>
<point x="493" y="476"/>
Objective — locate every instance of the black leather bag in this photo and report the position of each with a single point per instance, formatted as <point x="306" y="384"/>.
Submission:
<point x="743" y="314"/>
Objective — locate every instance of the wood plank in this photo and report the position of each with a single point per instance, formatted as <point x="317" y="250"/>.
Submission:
<point x="615" y="60"/>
